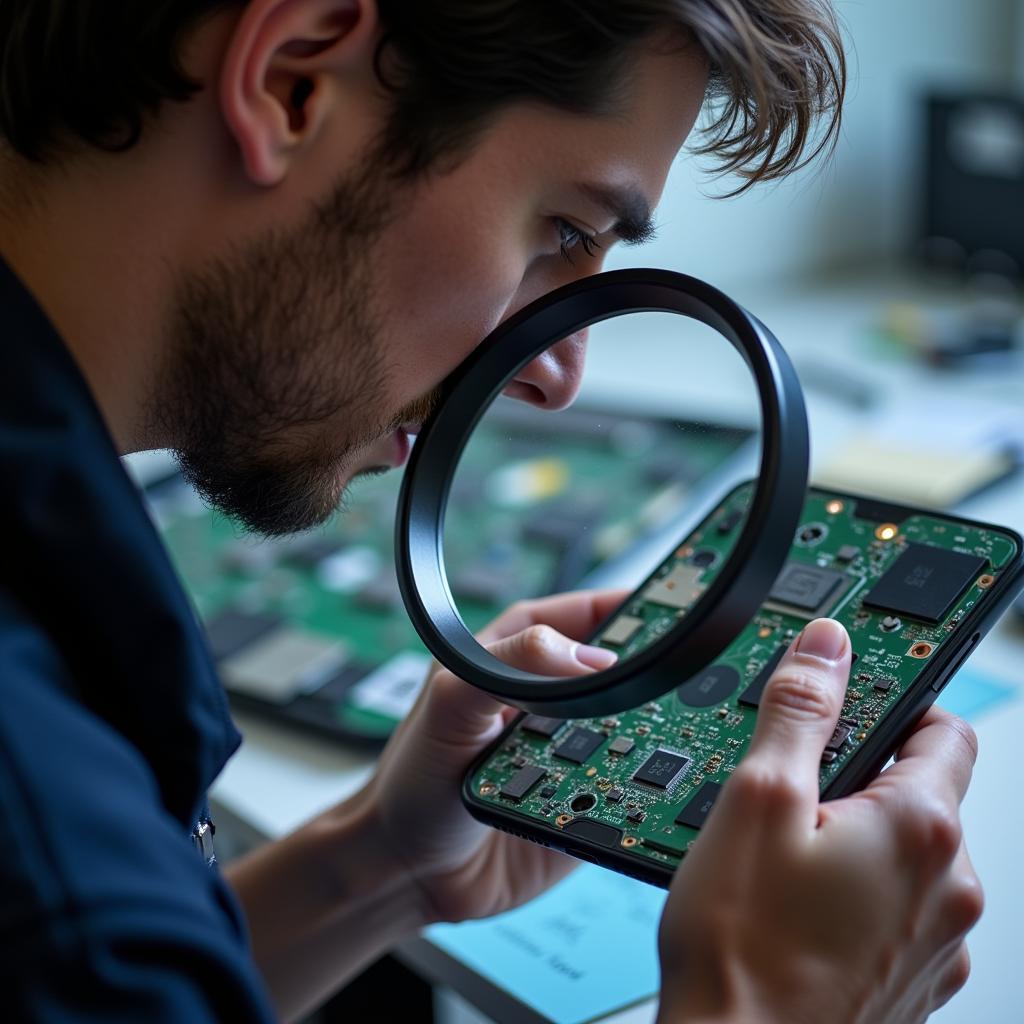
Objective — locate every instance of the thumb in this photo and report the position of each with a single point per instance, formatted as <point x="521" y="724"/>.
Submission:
<point x="459" y="709"/>
<point x="799" y="709"/>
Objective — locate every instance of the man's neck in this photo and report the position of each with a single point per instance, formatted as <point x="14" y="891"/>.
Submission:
<point x="84" y="244"/>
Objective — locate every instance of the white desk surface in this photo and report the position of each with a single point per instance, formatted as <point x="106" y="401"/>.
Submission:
<point x="280" y="777"/>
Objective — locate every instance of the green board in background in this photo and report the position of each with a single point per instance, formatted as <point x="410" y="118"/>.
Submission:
<point x="311" y="630"/>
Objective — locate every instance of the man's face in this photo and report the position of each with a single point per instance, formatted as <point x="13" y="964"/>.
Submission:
<point x="308" y="354"/>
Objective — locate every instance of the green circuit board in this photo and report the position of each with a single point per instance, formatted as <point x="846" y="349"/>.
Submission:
<point x="901" y="588"/>
<point x="311" y="628"/>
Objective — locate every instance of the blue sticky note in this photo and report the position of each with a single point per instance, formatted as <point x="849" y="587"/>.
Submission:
<point x="584" y="949"/>
<point x="971" y="693"/>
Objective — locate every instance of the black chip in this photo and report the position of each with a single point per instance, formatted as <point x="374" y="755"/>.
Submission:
<point x="661" y="768"/>
<point x="703" y="558"/>
<point x="614" y="795"/>
<point x="714" y="684"/>
<point x="883" y="684"/>
<point x="925" y="582"/>
<point x="847" y="553"/>
<point x="828" y="756"/>
<point x="518" y="761"/>
<point x="804" y="586"/>
<point x="729" y="521"/>
<point x="698" y="807"/>
<point x="840" y="735"/>
<point x="622" y="745"/>
<point x="522" y="782"/>
<point x="636" y="816"/>
<point x="548" y="792"/>
<point x="232" y="629"/>
<point x="751" y="696"/>
<point x="578" y="745"/>
<point x="541" y="725"/>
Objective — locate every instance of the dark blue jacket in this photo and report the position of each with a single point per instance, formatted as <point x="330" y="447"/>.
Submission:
<point x="112" y="726"/>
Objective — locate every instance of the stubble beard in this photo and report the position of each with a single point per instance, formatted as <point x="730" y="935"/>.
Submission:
<point x="275" y="379"/>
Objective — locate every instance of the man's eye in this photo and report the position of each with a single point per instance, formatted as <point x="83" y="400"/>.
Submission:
<point x="571" y="236"/>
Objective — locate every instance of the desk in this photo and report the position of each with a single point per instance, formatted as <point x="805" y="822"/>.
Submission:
<point x="281" y="778"/>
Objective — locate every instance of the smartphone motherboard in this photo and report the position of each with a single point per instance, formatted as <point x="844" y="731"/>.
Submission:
<point x="903" y="583"/>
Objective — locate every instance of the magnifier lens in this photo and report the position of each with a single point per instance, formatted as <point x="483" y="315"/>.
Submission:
<point x="591" y="470"/>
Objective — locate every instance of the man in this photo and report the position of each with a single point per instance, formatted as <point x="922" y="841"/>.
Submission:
<point x="262" y="234"/>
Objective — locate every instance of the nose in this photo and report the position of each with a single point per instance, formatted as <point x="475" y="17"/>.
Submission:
<point x="552" y="380"/>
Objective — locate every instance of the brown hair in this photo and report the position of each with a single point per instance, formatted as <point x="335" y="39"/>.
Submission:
<point x="94" y="71"/>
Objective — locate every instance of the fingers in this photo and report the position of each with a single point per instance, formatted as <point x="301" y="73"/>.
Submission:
<point x="939" y="755"/>
<point x="796" y="717"/>
<point x="537" y="648"/>
<point x="546" y="651"/>
<point x="575" y="615"/>
<point x="953" y="978"/>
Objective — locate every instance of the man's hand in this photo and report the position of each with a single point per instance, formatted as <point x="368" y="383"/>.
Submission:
<point x="791" y="910"/>
<point x="461" y="868"/>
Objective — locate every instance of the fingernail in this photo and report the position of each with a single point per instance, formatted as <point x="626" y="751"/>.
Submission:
<point x="823" y="638"/>
<point x="595" y="657"/>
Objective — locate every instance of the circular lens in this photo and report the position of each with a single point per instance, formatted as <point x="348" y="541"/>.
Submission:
<point x="636" y="436"/>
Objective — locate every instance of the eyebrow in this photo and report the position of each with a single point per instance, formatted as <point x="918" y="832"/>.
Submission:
<point x="630" y="208"/>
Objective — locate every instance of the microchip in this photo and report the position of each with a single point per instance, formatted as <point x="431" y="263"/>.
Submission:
<point x="709" y="686"/>
<point x="679" y="589"/>
<point x="282" y="665"/>
<point x="828" y="756"/>
<point x="698" y="807"/>
<point x="806" y="587"/>
<point x="621" y="745"/>
<point x="522" y="782"/>
<point x="518" y="761"/>
<point x="541" y="725"/>
<point x="614" y="795"/>
<point x="729" y="521"/>
<point x="578" y="745"/>
<point x="839" y="736"/>
<point x="232" y="629"/>
<point x="661" y="769"/>
<point x="636" y="816"/>
<point x="547" y="792"/>
<point x="622" y="630"/>
<point x="847" y="553"/>
<point x="751" y="696"/>
<point x="883" y="684"/>
<point x="925" y="582"/>
<point x="704" y="558"/>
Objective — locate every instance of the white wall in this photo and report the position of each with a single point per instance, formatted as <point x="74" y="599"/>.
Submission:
<point x="861" y="207"/>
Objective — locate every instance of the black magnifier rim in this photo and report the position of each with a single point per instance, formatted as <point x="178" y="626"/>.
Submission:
<point x="740" y="587"/>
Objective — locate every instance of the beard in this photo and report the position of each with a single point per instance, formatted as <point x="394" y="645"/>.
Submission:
<point x="275" y="379"/>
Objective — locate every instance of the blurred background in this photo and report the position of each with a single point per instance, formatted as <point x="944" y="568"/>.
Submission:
<point x="894" y="275"/>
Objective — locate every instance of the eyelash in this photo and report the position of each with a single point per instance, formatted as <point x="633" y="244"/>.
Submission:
<point x="571" y="236"/>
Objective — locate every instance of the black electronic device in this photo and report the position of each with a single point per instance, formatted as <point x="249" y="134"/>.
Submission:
<point x="630" y="791"/>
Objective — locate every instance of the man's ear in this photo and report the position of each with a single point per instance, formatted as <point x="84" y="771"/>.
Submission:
<point x="283" y="71"/>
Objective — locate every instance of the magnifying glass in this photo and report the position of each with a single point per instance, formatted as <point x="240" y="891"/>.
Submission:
<point x="502" y="499"/>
